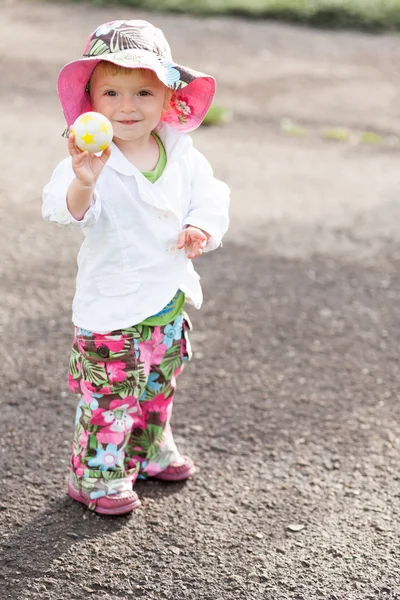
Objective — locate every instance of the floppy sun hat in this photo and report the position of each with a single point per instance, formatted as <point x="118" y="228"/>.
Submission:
<point x="137" y="44"/>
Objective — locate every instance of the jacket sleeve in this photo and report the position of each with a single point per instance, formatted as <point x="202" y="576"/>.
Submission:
<point x="55" y="208"/>
<point x="209" y="202"/>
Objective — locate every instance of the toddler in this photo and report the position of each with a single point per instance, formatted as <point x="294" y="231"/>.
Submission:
<point x="147" y="206"/>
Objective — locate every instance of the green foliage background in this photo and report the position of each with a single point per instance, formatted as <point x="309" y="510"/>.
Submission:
<point x="373" y="15"/>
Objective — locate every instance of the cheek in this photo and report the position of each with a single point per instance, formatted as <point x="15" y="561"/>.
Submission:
<point x="102" y="104"/>
<point x="96" y="103"/>
<point x="167" y="102"/>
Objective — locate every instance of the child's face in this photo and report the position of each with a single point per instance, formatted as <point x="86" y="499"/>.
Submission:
<point x="133" y="101"/>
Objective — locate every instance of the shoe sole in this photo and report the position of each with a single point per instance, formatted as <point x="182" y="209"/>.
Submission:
<point x="79" y="497"/>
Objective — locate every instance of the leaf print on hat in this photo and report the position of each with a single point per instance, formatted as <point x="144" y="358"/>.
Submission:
<point x="97" y="47"/>
<point x="126" y="38"/>
<point x="107" y="27"/>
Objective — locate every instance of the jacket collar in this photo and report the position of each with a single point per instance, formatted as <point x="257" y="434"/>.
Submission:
<point x="175" y="144"/>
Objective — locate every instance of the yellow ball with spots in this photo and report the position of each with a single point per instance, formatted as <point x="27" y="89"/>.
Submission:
<point x="93" y="132"/>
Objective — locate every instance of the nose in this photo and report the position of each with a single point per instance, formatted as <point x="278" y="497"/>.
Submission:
<point x="127" y="104"/>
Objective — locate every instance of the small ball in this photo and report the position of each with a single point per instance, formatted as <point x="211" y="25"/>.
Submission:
<point x="93" y="132"/>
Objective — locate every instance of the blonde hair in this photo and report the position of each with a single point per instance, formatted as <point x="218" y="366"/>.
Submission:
<point x="106" y="67"/>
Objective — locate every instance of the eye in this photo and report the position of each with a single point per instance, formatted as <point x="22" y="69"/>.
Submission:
<point x="144" y="93"/>
<point x="110" y="93"/>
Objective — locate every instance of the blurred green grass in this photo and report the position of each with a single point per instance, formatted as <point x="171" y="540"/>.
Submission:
<point x="372" y="15"/>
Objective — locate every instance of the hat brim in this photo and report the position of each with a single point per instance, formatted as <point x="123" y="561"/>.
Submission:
<point x="193" y="91"/>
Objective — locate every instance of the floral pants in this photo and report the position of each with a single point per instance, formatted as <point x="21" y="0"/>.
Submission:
<point x="125" y="381"/>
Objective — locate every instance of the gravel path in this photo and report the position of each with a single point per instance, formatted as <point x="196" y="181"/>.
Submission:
<point x="291" y="411"/>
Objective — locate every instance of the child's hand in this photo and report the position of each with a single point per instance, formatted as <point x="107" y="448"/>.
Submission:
<point x="194" y="240"/>
<point x="87" y="167"/>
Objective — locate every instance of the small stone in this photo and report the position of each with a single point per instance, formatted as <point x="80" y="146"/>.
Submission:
<point x="175" y="550"/>
<point x="198" y="428"/>
<point x="295" y="527"/>
<point x="259" y="536"/>
<point x="378" y="526"/>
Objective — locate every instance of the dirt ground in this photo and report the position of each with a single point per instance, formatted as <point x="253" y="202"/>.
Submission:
<point x="290" y="406"/>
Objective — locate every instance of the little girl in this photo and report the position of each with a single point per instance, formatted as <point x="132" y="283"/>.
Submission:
<point x="147" y="206"/>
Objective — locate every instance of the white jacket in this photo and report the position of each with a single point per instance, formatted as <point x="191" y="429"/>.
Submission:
<point x="128" y="265"/>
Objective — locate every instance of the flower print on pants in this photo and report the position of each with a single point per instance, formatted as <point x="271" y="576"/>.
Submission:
<point x="123" y="419"/>
<point x="152" y="351"/>
<point x="115" y="371"/>
<point x="159" y="404"/>
<point x="109" y="458"/>
<point x="116" y="421"/>
<point x="173" y="331"/>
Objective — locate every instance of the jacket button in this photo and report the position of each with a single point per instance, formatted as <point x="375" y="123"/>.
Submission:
<point x="164" y="216"/>
<point x="103" y="351"/>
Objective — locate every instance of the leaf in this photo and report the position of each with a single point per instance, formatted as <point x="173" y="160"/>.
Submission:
<point x="134" y="384"/>
<point x="73" y="363"/>
<point x="77" y="448"/>
<point x="172" y="360"/>
<point x="86" y="411"/>
<point x="148" y="440"/>
<point x="165" y="390"/>
<point x="97" y="47"/>
<point x="94" y="373"/>
<point x="139" y="332"/>
<point x="161" y="456"/>
<point x="93" y="443"/>
<point x="122" y="39"/>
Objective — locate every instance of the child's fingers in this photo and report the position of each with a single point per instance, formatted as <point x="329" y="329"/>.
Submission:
<point x="197" y="245"/>
<point x="72" y="147"/>
<point x="181" y="240"/>
<point x="196" y="248"/>
<point x="80" y="158"/>
<point x="195" y="253"/>
<point x="105" y="155"/>
<point x="196" y="234"/>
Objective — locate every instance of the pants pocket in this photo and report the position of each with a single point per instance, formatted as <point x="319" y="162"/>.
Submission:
<point x="103" y="364"/>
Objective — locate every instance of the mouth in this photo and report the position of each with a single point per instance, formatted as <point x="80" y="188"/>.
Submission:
<point x="128" y="122"/>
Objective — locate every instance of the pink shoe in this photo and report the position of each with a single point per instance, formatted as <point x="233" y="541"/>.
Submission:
<point x="178" y="471"/>
<point x="117" y="504"/>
